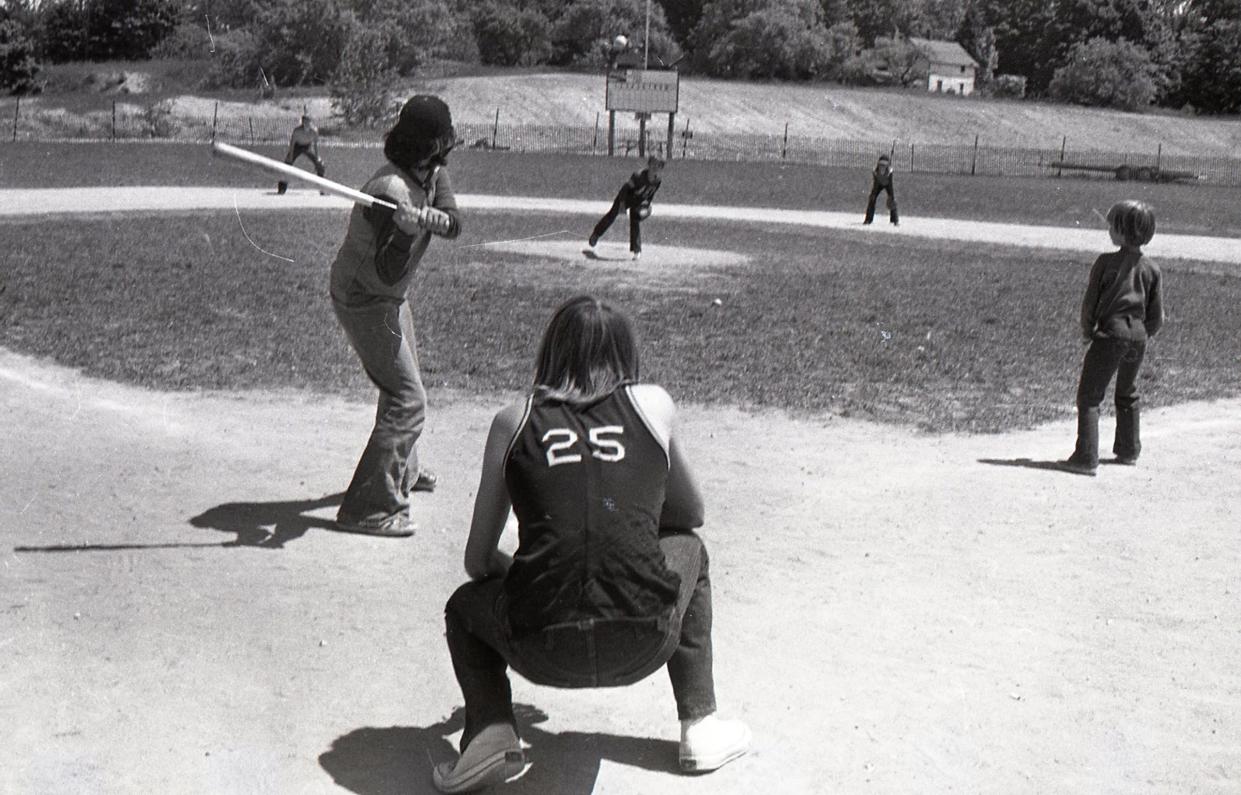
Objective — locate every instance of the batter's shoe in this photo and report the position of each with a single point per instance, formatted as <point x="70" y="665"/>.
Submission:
<point x="492" y="757"/>
<point x="637" y="255"/>
<point x="398" y="525"/>
<point x="426" y="481"/>
<point x="710" y="743"/>
<point x="1126" y="460"/>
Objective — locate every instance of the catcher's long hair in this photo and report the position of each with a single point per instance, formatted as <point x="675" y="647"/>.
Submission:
<point x="588" y="350"/>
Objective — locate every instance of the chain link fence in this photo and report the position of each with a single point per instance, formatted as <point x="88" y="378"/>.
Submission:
<point x="127" y="121"/>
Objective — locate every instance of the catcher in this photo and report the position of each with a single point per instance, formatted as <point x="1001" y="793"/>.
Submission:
<point x="635" y="196"/>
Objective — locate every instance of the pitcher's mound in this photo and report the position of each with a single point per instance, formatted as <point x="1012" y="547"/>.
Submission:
<point x="616" y="255"/>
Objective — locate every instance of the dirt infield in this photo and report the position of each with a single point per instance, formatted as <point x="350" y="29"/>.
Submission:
<point x="894" y="612"/>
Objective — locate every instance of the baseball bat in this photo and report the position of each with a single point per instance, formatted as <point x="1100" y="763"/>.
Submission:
<point x="287" y="172"/>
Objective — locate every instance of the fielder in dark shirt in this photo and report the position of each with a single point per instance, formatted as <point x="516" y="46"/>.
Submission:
<point x="880" y="182"/>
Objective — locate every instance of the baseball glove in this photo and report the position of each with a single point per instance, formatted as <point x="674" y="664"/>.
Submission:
<point x="644" y="212"/>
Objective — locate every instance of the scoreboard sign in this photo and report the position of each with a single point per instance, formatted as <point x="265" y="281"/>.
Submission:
<point x="643" y="90"/>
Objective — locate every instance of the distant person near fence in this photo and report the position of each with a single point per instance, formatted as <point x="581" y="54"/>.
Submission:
<point x="881" y="182"/>
<point x="303" y="141"/>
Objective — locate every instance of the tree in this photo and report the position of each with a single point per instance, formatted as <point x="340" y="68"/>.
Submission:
<point x="19" y="69"/>
<point x="99" y="30"/>
<point x="1103" y="73"/>
<point x="732" y="28"/>
<point x="361" y="88"/>
<point x="301" y="41"/>
<point x="509" y="36"/>
<point x="411" y="31"/>
<point x="583" y="32"/>
<point x="771" y="42"/>
<point x="1211" y="77"/>
<point x="682" y="16"/>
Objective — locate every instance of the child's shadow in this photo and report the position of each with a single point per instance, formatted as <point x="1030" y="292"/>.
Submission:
<point x="268" y="525"/>
<point x="399" y="759"/>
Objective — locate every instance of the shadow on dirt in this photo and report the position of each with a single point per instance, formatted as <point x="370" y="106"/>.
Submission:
<point x="399" y="759"/>
<point x="267" y="525"/>
<point x="1029" y="463"/>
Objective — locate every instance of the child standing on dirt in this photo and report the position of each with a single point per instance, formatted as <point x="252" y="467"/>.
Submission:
<point x="881" y="182"/>
<point x="303" y="141"/>
<point x="370" y="278"/>
<point x="1122" y="308"/>
<point x="635" y="196"/>
<point x="609" y="582"/>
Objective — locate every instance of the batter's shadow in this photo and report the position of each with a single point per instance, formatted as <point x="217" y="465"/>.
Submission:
<point x="267" y="525"/>
<point x="399" y="759"/>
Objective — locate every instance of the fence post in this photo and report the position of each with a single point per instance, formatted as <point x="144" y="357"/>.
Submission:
<point x="215" y="115"/>
<point x="1159" y="156"/>
<point x="250" y="119"/>
<point x="114" y="120"/>
<point x="911" y="157"/>
<point x="495" y="129"/>
<point x="685" y="136"/>
<point x="974" y="163"/>
<point x="594" y="142"/>
<point x="16" y="110"/>
<point x="784" y="149"/>
<point x="1064" y="141"/>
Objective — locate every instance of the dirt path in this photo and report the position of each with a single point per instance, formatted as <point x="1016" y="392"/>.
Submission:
<point x="36" y="201"/>
<point x="895" y="612"/>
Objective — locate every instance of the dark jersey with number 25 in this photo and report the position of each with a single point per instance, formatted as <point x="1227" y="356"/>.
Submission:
<point x="587" y="485"/>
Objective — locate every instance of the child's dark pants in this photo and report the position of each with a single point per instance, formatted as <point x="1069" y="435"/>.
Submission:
<point x="1108" y="356"/>
<point x="584" y="654"/>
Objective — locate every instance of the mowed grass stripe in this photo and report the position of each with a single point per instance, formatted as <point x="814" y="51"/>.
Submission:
<point x="932" y="334"/>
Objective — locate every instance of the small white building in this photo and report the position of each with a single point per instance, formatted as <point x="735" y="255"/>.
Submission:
<point x="950" y="68"/>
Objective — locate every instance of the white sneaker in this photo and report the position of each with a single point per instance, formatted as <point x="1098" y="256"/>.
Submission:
<point x="637" y="254"/>
<point x="491" y="758"/>
<point x="710" y="743"/>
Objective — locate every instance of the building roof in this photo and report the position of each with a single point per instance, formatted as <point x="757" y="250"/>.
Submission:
<point x="946" y="52"/>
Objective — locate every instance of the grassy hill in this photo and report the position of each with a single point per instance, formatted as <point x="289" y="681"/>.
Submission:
<point x="570" y="99"/>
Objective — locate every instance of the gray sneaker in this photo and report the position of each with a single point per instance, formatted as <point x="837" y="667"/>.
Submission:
<point x="398" y="525"/>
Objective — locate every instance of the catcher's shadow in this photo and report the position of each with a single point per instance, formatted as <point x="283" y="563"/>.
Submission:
<point x="399" y="759"/>
<point x="266" y="525"/>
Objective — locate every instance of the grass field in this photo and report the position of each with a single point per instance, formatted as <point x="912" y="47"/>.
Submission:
<point x="935" y="335"/>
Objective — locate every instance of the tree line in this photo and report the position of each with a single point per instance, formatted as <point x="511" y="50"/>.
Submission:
<point x="1127" y="54"/>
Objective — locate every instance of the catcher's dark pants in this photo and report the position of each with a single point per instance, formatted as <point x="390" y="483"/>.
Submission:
<point x="1107" y="357"/>
<point x="635" y="221"/>
<point x="875" y="190"/>
<point x="297" y="152"/>
<point x="600" y="653"/>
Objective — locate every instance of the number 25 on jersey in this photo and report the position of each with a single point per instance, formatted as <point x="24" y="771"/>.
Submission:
<point x="602" y="443"/>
